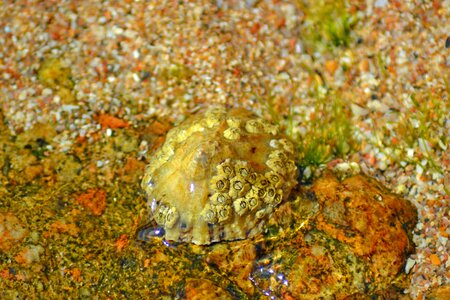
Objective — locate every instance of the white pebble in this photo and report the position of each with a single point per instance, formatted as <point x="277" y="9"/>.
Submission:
<point x="381" y="3"/>
<point x="409" y="153"/>
<point x="23" y="95"/>
<point x="419" y="169"/>
<point x="409" y="264"/>
<point x="47" y="92"/>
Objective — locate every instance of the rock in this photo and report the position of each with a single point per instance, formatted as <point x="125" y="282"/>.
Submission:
<point x="336" y="239"/>
<point x="219" y="176"/>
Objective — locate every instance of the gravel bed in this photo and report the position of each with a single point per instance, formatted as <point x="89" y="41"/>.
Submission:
<point x="137" y="60"/>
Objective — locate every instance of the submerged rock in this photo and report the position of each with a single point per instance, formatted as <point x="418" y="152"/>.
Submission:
<point x="336" y="239"/>
<point x="219" y="176"/>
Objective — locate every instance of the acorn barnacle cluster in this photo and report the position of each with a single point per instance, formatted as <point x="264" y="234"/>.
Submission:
<point x="219" y="176"/>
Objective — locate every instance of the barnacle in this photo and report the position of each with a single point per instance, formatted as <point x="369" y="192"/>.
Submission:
<point x="232" y="133"/>
<point x="241" y="168"/>
<point x="226" y="169"/>
<point x="275" y="179"/>
<point x="234" y="122"/>
<point x="254" y="126"/>
<point x="252" y="177"/>
<point x="238" y="187"/>
<point x="282" y="144"/>
<point x="240" y="206"/>
<point x="269" y="127"/>
<point x="259" y="192"/>
<point x="262" y="182"/>
<point x="253" y="202"/>
<point x="278" y="154"/>
<point x="171" y="217"/>
<point x="269" y="197"/>
<point x="223" y="213"/>
<point x="278" y="198"/>
<point x="218" y="176"/>
<point x="287" y="145"/>
<point x="277" y="165"/>
<point x="220" y="183"/>
<point x="166" y="216"/>
<point x="260" y="213"/>
<point x="209" y="214"/>
<point x="220" y="199"/>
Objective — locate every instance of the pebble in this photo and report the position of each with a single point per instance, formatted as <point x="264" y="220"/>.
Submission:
<point x="409" y="264"/>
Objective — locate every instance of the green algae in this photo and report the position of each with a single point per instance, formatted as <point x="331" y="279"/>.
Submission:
<point x="327" y="25"/>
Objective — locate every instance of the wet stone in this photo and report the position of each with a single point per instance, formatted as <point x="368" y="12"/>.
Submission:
<point x="214" y="171"/>
<point x="336" y="240"/>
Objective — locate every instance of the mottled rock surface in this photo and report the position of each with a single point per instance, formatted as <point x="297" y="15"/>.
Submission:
<point x="335" y="239"/>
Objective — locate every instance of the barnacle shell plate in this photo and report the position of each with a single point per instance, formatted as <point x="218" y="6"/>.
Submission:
<point x="219" y="176"/>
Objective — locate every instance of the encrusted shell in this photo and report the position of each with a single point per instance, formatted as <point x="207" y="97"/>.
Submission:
<point x="219" y="176"/>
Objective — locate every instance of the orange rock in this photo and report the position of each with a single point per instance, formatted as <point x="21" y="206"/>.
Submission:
<point x="255" y="28"/>
<point x="394" y="140"/>
<point x="76" y="274"/>
<point x="237" y="261"/>
<point x="281" y="23"/>
<point x="369" y="219"/>
<point x="443" y="232"/>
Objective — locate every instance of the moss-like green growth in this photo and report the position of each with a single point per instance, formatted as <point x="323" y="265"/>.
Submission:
<point x="329" y="134"/>
<point x="424" y="130"/>
<point x="327" y="25"/>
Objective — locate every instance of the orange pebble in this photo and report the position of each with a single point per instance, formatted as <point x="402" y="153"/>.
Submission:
<point x="442" y="231"/>
<point x="435" y="259"/>
<point x="146" y="263"/>
<point x="108" y="121"/>
<point x="331" y="66"/>
<point x="364" y="65"/>
<point x="394" y="140"/>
